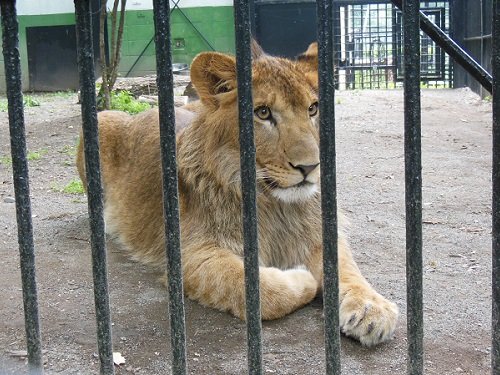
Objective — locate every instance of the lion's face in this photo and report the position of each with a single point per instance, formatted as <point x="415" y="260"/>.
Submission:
<point x="285" y="120"/>
<point x="286" y="130"/>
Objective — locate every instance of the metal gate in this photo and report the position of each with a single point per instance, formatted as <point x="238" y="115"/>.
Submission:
<point x="369" y="45"/>
<point x="328" y="181"/>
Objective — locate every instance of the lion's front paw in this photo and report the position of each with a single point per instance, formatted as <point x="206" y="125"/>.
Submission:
<point x="367" y="316"/>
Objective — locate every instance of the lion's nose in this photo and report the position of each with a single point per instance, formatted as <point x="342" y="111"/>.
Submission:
<point x="305" y="169"/>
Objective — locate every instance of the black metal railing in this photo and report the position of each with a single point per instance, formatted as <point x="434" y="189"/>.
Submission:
<point x="170" y="192"/>
<point x="413" y="186"/>
<point x="12" y="63"/>
<point x="94" y="187"/>
<point x="495" y="318"/>
<point x="167" y="133"/>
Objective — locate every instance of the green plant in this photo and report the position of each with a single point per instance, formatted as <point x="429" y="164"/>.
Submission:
<point x="124" y="101"/>
<point x="74" y="187"/>
<point x="68" y="150"/>
<point x="4" y="105"/>
<point x="5" y="160"/>
<point x="29" y="101"/>
<point x="62" y="94"/>
<point x="36" y="155"/>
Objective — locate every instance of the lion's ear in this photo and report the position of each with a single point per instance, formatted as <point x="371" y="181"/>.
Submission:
<point x="213" y="73"/>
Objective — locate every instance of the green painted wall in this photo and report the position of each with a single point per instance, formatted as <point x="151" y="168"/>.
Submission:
<point x="215" y="32"/>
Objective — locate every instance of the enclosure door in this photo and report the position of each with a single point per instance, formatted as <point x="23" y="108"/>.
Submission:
<point x="285" y="29"/>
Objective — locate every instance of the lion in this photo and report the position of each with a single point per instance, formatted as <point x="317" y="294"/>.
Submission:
<point x="288" y="197"/>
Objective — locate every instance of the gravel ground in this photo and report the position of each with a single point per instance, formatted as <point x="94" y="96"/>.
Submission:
<point x="456" y="141"/>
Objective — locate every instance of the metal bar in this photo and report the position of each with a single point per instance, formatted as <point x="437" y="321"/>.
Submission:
<point x="10" y="36"/>
<point x="453" y="49"/>
<point x="242" y="25"/>
<point x="93" y="173"/>
<point x="164" y="82"/>
<point x="328" y="185"/>
<point x="495" y="65"/>
<point x="413" y="190"/>
<point x="481" y="37"/>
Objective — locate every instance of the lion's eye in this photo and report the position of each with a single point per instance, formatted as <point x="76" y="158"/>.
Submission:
<point x="313" y="109"/>
<point x="263" y="112"/>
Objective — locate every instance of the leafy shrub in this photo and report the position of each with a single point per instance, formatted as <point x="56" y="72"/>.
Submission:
<point x="124" y="101"/>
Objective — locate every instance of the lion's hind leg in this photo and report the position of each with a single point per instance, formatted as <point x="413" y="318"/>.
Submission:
<point x="215" y="277"/>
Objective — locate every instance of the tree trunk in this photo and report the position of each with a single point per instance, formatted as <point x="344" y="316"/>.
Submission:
<point x="104" y="92"/>
<point x="110" y="68"/>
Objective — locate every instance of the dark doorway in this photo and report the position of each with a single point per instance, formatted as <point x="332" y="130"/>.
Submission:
<point x="285" y="28"/>
<point x="52" y="58"/>
<point x="52" y="61"/>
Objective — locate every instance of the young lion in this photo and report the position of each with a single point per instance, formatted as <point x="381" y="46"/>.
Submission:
<point x="288" y="198"/>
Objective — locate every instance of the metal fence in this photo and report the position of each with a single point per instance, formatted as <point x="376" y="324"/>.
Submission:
<point x="411" y="20"/>
<point x="369" y="45"/>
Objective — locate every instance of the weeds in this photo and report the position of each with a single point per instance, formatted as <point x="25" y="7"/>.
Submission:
<point x="36" y="155"/>
<point x="62" y="94"/>
<point x="5" y="160"/>
<point x="124" y="101"/>
<point x="29" y="101"/>
<point x="74" y="187"/>
<point x="68" y="150"/>
<point x="4" y="106"/>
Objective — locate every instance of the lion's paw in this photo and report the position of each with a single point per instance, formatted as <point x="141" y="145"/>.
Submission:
<point x="367" y="316"/>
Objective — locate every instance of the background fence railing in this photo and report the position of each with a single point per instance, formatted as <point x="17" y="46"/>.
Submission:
<point x="411" y="21"/>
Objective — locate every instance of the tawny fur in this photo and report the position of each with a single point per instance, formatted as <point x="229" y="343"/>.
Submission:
<point x="288" y="201"/>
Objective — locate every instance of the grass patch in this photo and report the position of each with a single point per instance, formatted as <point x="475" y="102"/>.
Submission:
<point x="62" y="94"/>
<point x="74" y="187"/>
<point x="36" y="155"/>
<point x="29" y="101"/>
<point x="124" y="101"/>
<point x="4" y="105"/>
<point x="5" y="160"/>
<point x="68" y="150"/>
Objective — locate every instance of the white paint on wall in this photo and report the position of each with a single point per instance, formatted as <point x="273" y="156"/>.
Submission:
<point x="41" y="7"/>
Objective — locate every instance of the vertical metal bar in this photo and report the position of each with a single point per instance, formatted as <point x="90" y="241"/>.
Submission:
<point x="164" y="81"/>
<point x="21" y="183"/>
<point x="93" y="173"/>
<point x="249" y="207"/>
<point x="328" y="185"/>
<point x="413" y="181"/>
<point x="452" y="49"/>
<point x="495" y="64"/>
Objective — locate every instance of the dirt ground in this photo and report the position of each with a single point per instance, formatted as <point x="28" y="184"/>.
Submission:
<point x="456" y="138"/>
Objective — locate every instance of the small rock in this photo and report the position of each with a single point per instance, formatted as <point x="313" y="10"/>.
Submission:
<point x="9" y="200"/>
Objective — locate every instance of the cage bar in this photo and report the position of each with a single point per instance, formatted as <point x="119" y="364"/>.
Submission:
<point x="164" y="81"/>
<point x="328" y="185"/>
<point x="21" y="183"/>
<point x="495" y="320"/>
<point x="452" y="49"/>
<point x="413" y="185"/>
<point x="242" y="27"/>
<point x="94" y="189"/>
